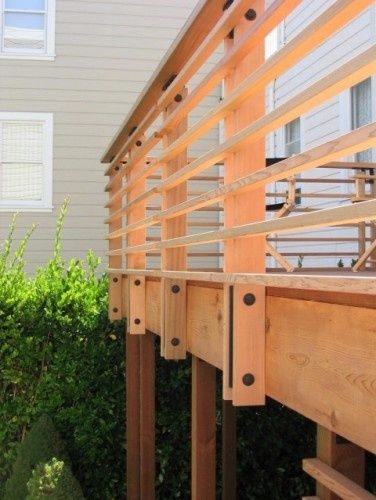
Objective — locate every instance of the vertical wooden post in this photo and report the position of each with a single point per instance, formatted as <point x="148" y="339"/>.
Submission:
<point x="132" y="379"/>
<point x="246" y="254"/>
<point x="173" y="292"/>
<point x="203" y="430"/>
<point x="345" y="457"/>
<point x="140" y="367"/>
<point x="228" y="451"/>
<point x="147" y="416"/>
<point x="115" y="302"/>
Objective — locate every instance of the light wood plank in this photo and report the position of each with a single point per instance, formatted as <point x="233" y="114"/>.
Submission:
<point x="173" y="318"/>
<point x="335" y="481"/>
<point x="341" y="455"/>
<point x="336" y="361"/>
<point x="322" y="282"/>
<point x="359" y="212"/>
<point x="347" y="144"/>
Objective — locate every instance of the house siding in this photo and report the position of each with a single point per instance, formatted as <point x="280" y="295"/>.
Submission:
<point x="106" y="51"/>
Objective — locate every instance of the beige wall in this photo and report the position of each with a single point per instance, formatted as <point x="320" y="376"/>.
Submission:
<point x="105" y="53"/>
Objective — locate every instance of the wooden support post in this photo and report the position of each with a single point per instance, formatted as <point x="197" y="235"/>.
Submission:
<point x="136" y="320"/>
<point x="132" y="380"/>
<point x="140" y="376"/>
<point x="203" y="430"/>
<point x="173" y="317"/>
<point x="147" y="416"/>
<point x="343" y="456"/>
<point x="228" y="451"/>
<point x="245" y="254"/>
<point x="115" y="283"/>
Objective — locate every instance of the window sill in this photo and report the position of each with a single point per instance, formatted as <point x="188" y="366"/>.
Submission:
<point x="26" y="209"/>
<point x="28" y="57"/>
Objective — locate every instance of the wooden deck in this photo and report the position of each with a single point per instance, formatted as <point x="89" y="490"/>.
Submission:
<point x="303" y="335"/>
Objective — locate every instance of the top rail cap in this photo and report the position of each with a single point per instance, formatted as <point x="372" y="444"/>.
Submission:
<point x="203" y="18"/>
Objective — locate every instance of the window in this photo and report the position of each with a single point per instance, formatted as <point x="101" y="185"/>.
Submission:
<point x="25" y="161"/>
<point x="292" y="137"/>
<point x="27" y="28"/>
<point x="361" y="111"/>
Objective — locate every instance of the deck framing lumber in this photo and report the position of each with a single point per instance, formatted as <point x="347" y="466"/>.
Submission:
<point x="335" y="481"/>
<point x="203" y="430"/>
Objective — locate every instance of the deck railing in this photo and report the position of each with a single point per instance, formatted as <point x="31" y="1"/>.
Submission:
<point x="151" y="189"/>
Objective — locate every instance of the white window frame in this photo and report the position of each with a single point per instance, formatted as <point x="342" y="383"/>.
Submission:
<point x="345" y="112"/>
<point x="44" y="205"/>
<point x="33" y="54"/>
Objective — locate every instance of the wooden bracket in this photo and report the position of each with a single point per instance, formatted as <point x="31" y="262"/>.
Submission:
<point x="174" y="318"/>
<point x="244" y="345"/>
<point x="137" y="305"/>
<point x="115" y="297"/>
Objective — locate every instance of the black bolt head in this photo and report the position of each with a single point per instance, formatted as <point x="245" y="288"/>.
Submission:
<point x="178" y="98"/>
<point x="249" y="299"/>
<point x="248" y="379"/>
<point x="115" y="280"/>
<point x="137" y="321"/>
<point x="138" y="143"/>
<point x="137" y="282"/>
<point x="175" y="289"/>
<point x="250" y="15"/>
<point x="115" y="310"/>
<point x="117" y="168"/>
<point x="175" y="342"/>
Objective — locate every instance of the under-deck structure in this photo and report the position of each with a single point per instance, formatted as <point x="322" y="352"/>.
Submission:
<point x="303" y="335"/>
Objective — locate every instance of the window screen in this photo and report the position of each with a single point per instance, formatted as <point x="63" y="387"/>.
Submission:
<point x="25" y="161"/>
<point x="21" y="161"/>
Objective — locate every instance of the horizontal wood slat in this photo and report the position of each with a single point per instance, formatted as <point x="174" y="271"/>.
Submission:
<point x="335" y="481"/>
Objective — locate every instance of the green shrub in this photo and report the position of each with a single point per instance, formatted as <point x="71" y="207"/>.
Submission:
<point x="53" y="480"/>
<point x="37" y="473"/>
<point x="60" y="356"/>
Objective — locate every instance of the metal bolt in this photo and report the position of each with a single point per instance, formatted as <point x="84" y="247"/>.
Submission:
<point x="250" y="15"/>
<point x="138" y="143"/>
<point x="249" y="299"/>
<point x="248" y="379"/>
<point x="175" y="342"/>
<point x="175" y="289"/>
<point x="178" y="98"/>
<point x="115" y="309"/>
<point x="117" y="168"/>
<point x="115" y="280"/>
<point x="137" y="282"/>
<point x="137" y="321"/>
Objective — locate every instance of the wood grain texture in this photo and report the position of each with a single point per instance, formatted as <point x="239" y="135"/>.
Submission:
<point x="335" y="481"/>
<point x="335" y="360"/>
<point x="205" y="324"/>
<point x="173" y="318"/>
